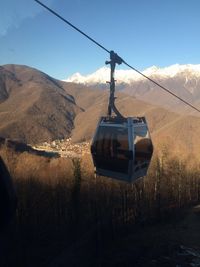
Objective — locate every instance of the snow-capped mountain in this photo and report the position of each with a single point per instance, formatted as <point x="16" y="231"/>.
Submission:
<point x="182" y="80"/>
<point x="128" y="77"/>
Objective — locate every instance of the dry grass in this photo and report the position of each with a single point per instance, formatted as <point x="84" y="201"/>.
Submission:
<point x="60" y="204"/>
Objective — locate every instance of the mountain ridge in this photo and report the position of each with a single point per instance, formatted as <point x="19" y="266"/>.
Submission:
<point x="129" y="76"/>
<point x="37" y="108"/>
<point x="181" y="80"/>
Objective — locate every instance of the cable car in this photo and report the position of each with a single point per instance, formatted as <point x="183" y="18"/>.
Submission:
<point x="121" y="147"/>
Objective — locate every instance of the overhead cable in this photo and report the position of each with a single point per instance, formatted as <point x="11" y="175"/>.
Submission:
<point x="108" y="51"/>
<point x="162" y="87"/>
<point x="70" y="24"/>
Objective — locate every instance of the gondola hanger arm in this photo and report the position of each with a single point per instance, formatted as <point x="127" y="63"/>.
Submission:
<point x="114" y="59"/>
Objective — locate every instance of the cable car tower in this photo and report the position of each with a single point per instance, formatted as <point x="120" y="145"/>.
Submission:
<point x="121" y="147"/>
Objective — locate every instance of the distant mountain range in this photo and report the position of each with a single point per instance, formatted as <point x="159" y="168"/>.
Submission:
<point x="183" y="80"/>
<point x="130" y="76"/>
<point x="35" y="108"/>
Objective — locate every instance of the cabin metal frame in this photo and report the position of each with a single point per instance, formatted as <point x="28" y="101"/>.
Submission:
<point x="107" y="165"/>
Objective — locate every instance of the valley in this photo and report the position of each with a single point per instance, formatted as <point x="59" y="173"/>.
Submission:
<point x="36" y="108"/>
<point x="64" y="213"/>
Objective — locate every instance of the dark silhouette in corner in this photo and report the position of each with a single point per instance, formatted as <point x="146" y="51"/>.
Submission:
<point x="8" y="199"/>
<point x="8" y="205"/>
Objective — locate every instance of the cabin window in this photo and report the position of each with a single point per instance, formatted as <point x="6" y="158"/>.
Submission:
<point x="112" y="148"/>
<point x="143" y="147"/>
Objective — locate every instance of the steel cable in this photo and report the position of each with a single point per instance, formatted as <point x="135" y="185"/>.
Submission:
<point x="108" y="51"/>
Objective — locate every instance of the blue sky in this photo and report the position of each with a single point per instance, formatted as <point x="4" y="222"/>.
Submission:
<point x="142" y="32"/>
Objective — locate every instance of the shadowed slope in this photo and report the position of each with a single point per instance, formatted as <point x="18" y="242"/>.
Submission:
<point x="34" y="106"/>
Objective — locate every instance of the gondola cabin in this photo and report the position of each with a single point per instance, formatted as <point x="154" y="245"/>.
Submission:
<point x="122" y="148"/>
